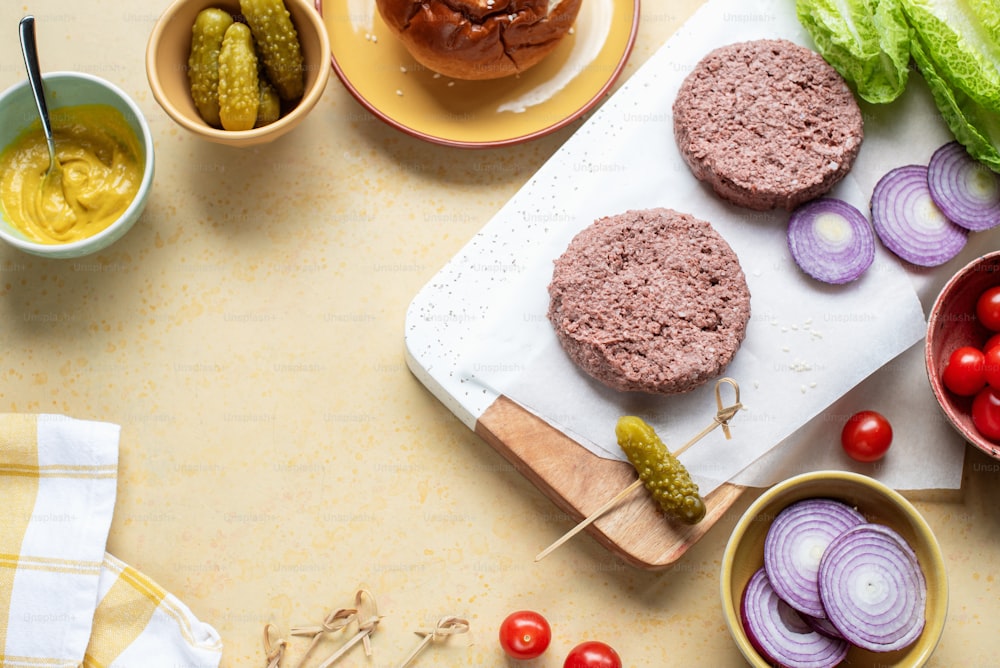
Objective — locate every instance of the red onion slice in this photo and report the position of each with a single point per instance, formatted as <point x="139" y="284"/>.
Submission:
<point x="823" y="625"/>
<point x="779" y="634"/>
<point x="908" y="221"/>
<point x="873" y="589"/>
<point x="831" y="240"/>
<point x="794" y="546"/>
<point x="966" y="190"/>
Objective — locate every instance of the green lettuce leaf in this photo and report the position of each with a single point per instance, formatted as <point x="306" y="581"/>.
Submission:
<point x="974" y="126"/>
<point x="959" y="37"/>
<point x="987" y="13"/>
<point x="866" y="41"/>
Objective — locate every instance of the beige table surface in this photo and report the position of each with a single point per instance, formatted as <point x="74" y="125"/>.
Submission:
<point x="276" y="451"/>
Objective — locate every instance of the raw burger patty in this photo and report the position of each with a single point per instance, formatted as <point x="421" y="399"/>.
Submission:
<point x="768" y="123"/>
<point x="649" y="301"/>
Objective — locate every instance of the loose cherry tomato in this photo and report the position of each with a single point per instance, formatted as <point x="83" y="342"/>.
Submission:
<point x="866" y="436"/>
<point x="988" y="309"/>
<point x="964" y="374"/>
<point x="593" y="654"/>
<point x="986" y="412"/>
<point x="525" y="634"/>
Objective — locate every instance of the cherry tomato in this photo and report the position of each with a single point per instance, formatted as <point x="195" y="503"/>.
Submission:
<point x="866" y="436"/>
<point x="988" y="309"/>
<point x="991" y="366"/>
<point x="525" y="634"/>
<point x="991" y="342"/>
<point x="964" y="374"/>
<point x="986" y="412"/>
<point x="593" y="654"/>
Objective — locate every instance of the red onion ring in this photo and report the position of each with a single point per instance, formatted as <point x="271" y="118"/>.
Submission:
<point x="779" y="634"/>
<point x="823" y="625"/>
<point x="966" y="190"/>
<point x="831" y="240"/>
<point x="873" y="588"/>
<point x="908" y="221"/>
<point x="795" y="544"/>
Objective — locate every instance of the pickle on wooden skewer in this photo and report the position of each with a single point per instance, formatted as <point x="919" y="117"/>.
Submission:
<point x="669" y="481"/>
<point x="203" y="62"/>
<point x="278" y="43"/>
<point x="239" y="91"/>
<point x="660" y="471"/>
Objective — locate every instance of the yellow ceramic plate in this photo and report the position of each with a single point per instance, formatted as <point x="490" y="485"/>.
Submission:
<point x="384" y="78"/>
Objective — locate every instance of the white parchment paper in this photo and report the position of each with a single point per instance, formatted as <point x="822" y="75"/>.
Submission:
<point x="813" y="353"/>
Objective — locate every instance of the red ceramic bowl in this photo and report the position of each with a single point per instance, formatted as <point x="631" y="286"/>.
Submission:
<point x="953" y="324"/>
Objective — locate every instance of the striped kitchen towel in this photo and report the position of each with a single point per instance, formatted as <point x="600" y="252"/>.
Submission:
<point x="139" y="625"/>
<point x="63" y="600"/>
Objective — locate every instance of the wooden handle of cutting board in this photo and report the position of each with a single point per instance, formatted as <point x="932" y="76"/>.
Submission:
<point x="579" y="482"/>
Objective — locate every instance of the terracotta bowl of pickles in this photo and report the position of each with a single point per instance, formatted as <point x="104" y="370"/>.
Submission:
<point x="183" y="64"/>
<point x="834" y="568"/>
<point x="963" y="320"/>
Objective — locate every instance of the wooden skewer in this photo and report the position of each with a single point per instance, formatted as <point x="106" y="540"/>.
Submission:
<point x="446" y="626"/>
<point x="367" y="624"/>
<point x="722" y="417"/>
<point x="335" y="621"/>
<point x="359" y="636"/>
<point x="275" y="650"/>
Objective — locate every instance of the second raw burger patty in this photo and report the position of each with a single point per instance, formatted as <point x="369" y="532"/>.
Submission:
<point x="650" y="301"/>
<point x="768" y="123"/>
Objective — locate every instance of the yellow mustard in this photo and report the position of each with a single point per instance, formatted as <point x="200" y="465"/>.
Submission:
<point x="101" y="169"/>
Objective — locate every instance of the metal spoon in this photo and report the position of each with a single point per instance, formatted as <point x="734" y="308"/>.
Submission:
<point x="29" y="50"/>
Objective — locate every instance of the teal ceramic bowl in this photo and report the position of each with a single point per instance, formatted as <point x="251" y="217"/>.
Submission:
<point x="67" y="89"/>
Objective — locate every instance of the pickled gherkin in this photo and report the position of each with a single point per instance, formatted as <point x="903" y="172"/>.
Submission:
<point x="269" y="109"/>
<point x="661" y="473"/>
<point x="278" y="44"/>
<point x="203" y="62"/>
<point x="239" y="92"/>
